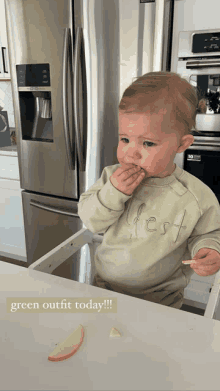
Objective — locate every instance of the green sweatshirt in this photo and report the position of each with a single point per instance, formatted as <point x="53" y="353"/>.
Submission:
<point x="147" y="235"/>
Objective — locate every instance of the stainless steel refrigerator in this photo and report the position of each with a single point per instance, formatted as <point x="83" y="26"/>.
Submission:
<point x="70" y="63"/>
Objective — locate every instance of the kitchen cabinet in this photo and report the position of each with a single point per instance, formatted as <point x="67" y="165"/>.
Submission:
<point x="12" y="236"/>
<point x="4" y="59"/>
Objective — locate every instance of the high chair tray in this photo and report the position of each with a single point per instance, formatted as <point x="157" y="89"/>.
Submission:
<point x="160" y="348"/>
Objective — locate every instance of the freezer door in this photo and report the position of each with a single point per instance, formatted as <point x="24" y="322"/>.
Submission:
<point x="48" y="222"/>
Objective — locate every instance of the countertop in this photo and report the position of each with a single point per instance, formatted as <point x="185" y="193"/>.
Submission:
<point x="10" y="151"/>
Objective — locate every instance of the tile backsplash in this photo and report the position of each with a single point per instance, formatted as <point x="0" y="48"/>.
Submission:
<point x="6" y="101"/>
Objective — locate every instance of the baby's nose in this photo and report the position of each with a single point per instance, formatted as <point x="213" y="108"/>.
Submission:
<point x="134" y="152"/>
<point x="133" y="158"/>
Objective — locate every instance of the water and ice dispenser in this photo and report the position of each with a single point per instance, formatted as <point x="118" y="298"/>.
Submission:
<point x="35" y="102"/>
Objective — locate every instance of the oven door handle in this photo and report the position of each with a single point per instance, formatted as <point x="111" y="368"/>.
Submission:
<point x="207" y="142"/>
<point x="205" y="147"/>
<point x="203" y="64"/>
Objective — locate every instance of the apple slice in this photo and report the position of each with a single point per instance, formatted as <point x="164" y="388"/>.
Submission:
<point x="68" y="347"/>
<point x="114" y="333"/>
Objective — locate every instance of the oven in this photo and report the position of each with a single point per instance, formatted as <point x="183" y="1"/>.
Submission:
<point x="199" y="63"/>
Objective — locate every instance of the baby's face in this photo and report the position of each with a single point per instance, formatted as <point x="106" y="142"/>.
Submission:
<point x="149" y="141"/>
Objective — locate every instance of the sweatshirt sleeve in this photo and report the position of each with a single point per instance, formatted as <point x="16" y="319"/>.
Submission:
<point x="207" y="230"/>
<point x="102" y="204"/>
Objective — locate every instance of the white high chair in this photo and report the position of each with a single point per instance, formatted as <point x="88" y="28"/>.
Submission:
<point x="63" y="251"/>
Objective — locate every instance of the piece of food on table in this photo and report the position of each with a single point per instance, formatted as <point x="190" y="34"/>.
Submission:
<point x="68" y="347"/>
<point x="114" y="333"/>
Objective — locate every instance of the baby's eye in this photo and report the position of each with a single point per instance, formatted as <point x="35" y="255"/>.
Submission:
<point x="149" y="142"/>
<point x="126" y="140"/>
<point x="123" y="138"/>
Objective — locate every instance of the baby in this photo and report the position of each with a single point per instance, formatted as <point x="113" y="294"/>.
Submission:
<point x="154" y="215"/>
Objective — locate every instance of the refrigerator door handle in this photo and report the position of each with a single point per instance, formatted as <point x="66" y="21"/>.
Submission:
<point x="75" y="96"/>
<point x="50" y="209"/>
<point x="158" y="35"/>
<point x="65" y="98"/>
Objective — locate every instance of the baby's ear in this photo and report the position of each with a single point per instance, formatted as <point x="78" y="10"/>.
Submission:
<point x="186" y="141"/>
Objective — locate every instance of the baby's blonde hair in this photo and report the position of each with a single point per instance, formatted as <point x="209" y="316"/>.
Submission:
<point x="150" y="90"/>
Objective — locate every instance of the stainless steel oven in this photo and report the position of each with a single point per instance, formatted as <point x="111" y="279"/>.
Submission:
<point x="199" y="63"/>
<point x="203" y="161"/>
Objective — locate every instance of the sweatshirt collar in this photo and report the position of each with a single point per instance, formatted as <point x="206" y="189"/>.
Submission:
<point x="164" y="181"/>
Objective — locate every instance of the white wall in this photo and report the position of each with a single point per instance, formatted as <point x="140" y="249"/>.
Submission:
<point x="193" y="15"/>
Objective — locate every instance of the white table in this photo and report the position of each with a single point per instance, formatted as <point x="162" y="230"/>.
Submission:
<point x="161" y="348"/>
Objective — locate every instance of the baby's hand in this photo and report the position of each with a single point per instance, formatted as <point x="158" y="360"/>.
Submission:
<point x="206" y="262"/>
<point x="127" y="178"/>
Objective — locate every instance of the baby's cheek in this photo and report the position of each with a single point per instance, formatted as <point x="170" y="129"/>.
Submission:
<point x="120" y="154"/>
